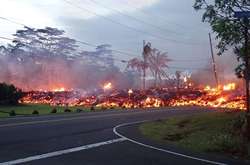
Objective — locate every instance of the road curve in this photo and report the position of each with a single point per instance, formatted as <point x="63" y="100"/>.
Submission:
<point x="88" y="138"/>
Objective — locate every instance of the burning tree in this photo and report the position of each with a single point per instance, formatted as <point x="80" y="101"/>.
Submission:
<point x="231" y="32"/>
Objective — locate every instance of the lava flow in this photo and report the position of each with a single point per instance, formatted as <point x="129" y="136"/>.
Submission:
<point x="226" y="96"/>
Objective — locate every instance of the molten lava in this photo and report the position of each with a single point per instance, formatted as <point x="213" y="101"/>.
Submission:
<point x="226" y="96"/>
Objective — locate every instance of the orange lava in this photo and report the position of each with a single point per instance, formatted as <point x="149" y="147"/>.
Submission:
<point x="226" y="96"/>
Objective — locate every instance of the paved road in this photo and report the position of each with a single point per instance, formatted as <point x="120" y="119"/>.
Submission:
<point x="89" y="138"/>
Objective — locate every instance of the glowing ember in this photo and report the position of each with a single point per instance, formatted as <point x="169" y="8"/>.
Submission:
<point x="59" y="89"/>
<point x="107" y="86"/>
<point x="130" y="91"/>
<point x="229" y="87"/>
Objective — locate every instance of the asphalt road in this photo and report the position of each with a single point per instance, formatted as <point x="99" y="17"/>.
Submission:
<point x="93" y="138"/>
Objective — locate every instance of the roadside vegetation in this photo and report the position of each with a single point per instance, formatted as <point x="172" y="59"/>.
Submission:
<point x="218" y="132"/>
<point x="36" y="109"/>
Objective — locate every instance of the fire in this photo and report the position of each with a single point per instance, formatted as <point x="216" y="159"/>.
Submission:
<point x="107" y="86"/>
<point x="229" y="87"/>
<point x="130" y="91"/>
<point x="62" y="89"/>
<point x="226" y="96"/>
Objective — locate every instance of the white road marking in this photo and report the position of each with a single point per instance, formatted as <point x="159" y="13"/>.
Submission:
<point x="61" y="152"/>
<point x="160" y="149"/>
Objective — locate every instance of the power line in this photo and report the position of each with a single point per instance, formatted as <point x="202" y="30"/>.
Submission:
<point x="181" y="26"/>
<point x="82" y="42"/>
<point x="5" y="38"/>
<point x="113" y="50"/>
<point x="135" y="18"/>
<point x="188" y="68"/>
<point x="126" y="61"/>
<point x="94" y="45"/>
<point x="129" y="27"/>
<point x="15" y="22"/>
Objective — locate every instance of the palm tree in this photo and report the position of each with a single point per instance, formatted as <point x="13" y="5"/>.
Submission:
<point x="158" y="63"/>
<point x="137" y="65"/>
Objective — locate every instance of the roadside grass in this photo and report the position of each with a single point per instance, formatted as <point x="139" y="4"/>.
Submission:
<point x="217" y="132"/>
<point x="27" y="109"/>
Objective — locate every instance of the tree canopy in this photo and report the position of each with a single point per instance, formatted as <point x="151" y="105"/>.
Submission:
<point x="220" y="14"/>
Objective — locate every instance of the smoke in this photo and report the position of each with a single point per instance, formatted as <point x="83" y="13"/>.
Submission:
<point x="58" y="72"/>
<point x="225" y="67"/>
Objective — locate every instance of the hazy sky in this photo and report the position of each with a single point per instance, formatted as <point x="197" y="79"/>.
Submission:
<point x="170" y="25"/>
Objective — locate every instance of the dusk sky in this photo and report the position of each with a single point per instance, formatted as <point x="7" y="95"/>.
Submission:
<point x="169" y="25"/>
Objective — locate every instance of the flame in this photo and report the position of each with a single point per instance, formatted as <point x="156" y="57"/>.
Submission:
<point x="107" y="86"/>
<point x="229" y="87"/>
<point x="226" y="96"/>
<point x="130" y="91"/>
<point x="62" y="89"/>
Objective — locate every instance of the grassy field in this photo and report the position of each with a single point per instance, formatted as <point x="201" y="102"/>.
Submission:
<point x="217" y="132"/>
<point x="27" y="109"/>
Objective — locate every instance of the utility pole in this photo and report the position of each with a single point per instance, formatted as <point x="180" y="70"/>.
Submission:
<point x="144" y="66"/>
<point x="246" y="23"/>
<point x="145" y="54"/>
<point x="213" y="61"/>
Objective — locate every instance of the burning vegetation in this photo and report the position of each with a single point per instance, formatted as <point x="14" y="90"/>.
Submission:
<point x="227" y="96"/>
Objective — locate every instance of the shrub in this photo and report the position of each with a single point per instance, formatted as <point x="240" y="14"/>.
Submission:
<point x="238" y="125"/>
<point x="67" y="110"/>
<point x="226" y="142"/>
<point x="9" y="94"/>
<point x="54" y="110"/>
<point x="92" y="108"/>
<point x="104" y="108"/>
<point x="79" y="110"/>
<point x="35" y="112"/>
<point x="12" y="113"/>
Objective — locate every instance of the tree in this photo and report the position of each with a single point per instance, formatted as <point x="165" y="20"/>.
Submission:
<point x="230" y="32"/>
<point x="47" y="42"/>
<point x="9" y="94"/>
<point x="138" y="65"/>
<point x="158" y="63"/>
<point x="40" y="49"/>
<point x="101" y="56"/>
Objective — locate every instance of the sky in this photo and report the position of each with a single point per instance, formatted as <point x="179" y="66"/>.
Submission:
<point x="169" y="25"/>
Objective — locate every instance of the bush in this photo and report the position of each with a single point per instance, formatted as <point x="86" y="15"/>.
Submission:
<point x="12" y="113"/>
<point x="35" y="112"/>
<point x="9" y="94"/>
<point x="104" y="108"/>
<point x="92" y="108"/>
<point x="238" y="125"/>
<point x="226" y="143"/>
<point x="54" y="110"/>
<point x="67" y="110"/>
<point x="79" y="110"/>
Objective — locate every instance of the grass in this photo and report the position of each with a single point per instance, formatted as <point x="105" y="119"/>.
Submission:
<point x="27" y="109"/>
<point x="217" y="132"/>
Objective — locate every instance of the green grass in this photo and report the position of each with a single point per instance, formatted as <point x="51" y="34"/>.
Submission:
<point x="217" y="132"/>
<point x="27" y="109"/>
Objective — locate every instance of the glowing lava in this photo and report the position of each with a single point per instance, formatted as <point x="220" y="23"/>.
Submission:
<point x="62" y="89"/>
<point x="226" y="96"/>
<point x="107" y="86"/>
